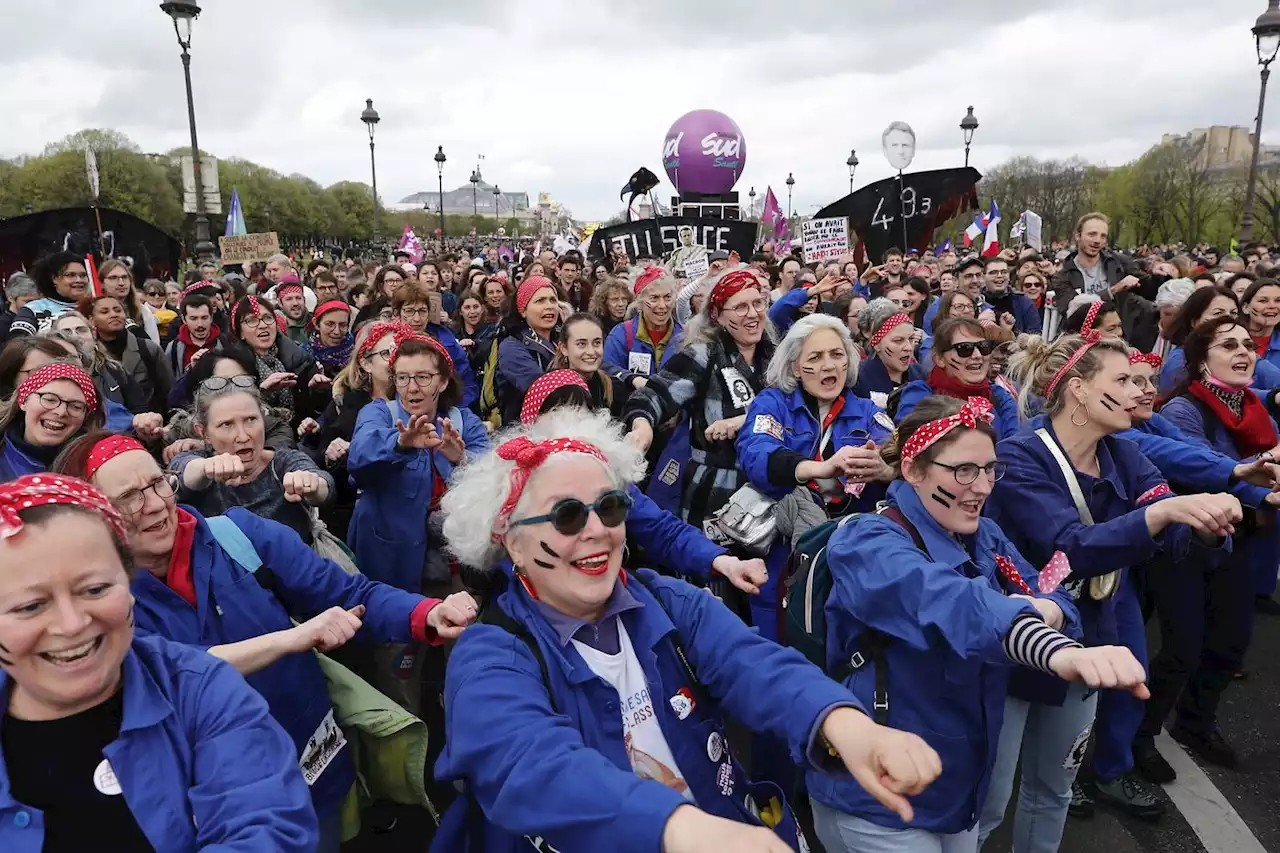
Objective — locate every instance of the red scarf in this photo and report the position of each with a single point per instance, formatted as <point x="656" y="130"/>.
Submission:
<point x="179" y="578"/>
<point x="947" y="385"/>
<point x="190" y="347"/>
<point x="1253" y="432"/>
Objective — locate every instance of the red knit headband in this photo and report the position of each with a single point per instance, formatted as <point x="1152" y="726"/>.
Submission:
<point x="60" y="370"/>
<point x="107" y="449"/>
<point x="325" y="308"/>
<point x="542" y="388"/>
<point x="975" y="409"/>
<point x="528" y="288"/>
<point x="729" y="286"/>
<point x="528" y="456"/>
<point x="888" y="326"/>
<point x="35" y="490"/>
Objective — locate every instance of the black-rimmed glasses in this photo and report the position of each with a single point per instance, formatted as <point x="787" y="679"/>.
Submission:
<point x="966" y="473"/>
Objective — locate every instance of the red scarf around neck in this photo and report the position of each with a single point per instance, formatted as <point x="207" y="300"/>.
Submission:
<point x="1253" y="431"/>
<point x="190" y="347"/>
<point x="947" y="385"/>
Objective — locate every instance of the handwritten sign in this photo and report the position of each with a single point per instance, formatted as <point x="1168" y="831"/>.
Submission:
<point x="825" y="238"/>
<point x="248" y="247"/>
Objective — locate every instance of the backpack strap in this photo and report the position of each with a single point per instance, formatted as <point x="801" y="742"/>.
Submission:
<point x="494" y="615"/>
<point x="629" y="331"/>
<point x="234" y="541"/>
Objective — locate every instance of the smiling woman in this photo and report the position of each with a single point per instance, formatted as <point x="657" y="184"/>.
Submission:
<point x="51" y="406"/>
<point x="97" y="720"/>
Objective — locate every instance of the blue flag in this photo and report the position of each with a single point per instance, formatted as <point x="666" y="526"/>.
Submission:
<point x="235" y="217"/>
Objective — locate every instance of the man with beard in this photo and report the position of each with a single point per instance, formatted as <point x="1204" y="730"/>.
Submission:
<point x="292" y="299"/>
<point x="198" y="332"/>
<point x="1093" y="268"/>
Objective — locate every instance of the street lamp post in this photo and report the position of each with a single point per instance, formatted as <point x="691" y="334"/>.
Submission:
<point x="752" y="211"/>
<point x="497" y="198"/>
<point x="475" y="182"/>
<point x="183" y="13"/>
<point x="440" y="158"/>
<point x="852" y="163"/>
<point x="1266" y="33"/>
<point x="370" y="118"/>
<point x="791" y="182"/>
<point x="968" y="124"/>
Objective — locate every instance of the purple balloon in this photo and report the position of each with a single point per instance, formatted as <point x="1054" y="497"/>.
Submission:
<point x="704" y="152"/>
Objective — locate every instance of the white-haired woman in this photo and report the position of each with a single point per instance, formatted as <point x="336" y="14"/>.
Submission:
<point x="712" y="380"/>
<point x="644" y="344"/>
<point x="809" y="429"/>
<point x="575" y="714"/>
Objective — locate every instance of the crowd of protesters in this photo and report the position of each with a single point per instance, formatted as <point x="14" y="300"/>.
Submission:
<point x="304" y="544"/>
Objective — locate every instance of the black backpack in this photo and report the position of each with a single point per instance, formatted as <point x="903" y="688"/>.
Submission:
<point x="805" y="588"/>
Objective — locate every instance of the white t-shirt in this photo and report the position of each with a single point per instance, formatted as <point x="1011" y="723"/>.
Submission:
<point x="647" y="747"/>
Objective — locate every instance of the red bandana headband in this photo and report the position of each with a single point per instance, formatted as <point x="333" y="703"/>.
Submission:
<point x="197" y="287"/>
<point x="1090" y="316"/>
<point x="542" y="388"/>
<point x="35" y="490"/>
<point x="254" y="304"/>
<point x="1090" y="338"/>
<point x="888" y="326"/>
<point x="528" y="288"/>
<point x="729" y="286"/>
<point x="1146" y="358"/>
<point x="974" y="410"/>
<point x="378" y="331"/>
<point x="60" y="370"/>
<point x="528" y="456"/>
<point x="325" y="308"/>
<point x="107" y="449"/>
<point x="400" y="341"/>
<point x="289" y="287"/>
<point x="648" y="277"/>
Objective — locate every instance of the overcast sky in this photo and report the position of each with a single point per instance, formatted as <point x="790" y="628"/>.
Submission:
<point x="571" y="97"/>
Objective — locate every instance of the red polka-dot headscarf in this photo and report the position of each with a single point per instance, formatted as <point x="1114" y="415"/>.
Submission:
<point x="528" y="455"/>
<point x="107" y="449"/>
<point x="528" y="288"/>
<point x="1091" y="337"/>
<point x="378" y="331"/>
<point x="542" y="388"/>
<point x="887" y="327"/>
<point x="729" y="286"/>
<point x="436" y="346"/>
<point x="974" y="410"/>
<point x="35" y="490"/>
<point x="1150" y="358"/>
<point x="60" y="370"/>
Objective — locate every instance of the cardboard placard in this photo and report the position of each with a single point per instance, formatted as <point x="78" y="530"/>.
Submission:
<point x="248" y="247"/>
<point x="825" y="238"/>
<point x="1035" y="227"/>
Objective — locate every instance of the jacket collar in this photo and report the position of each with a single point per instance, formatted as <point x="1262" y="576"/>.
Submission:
<point x="1106" y="462"/>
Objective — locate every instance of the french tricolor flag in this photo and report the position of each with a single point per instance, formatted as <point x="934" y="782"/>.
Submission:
<point x="976" y="229"/>
<point x="992" y="244"/>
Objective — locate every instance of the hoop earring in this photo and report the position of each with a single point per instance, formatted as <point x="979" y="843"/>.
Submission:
<point x="1072" y="416"/>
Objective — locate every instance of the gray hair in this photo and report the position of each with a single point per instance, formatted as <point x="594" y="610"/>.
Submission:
<point x="20" y="285"/>
<point x="871" y="318"/>
<point x="205" y="398"/>
<point x="701" y="329"/>
<point x="281" y="259"/>
<point x="781" y="374"/>
<point x="1174" y="292"/>
<point x="83" y="356"/>
<point x="478" y="489"/>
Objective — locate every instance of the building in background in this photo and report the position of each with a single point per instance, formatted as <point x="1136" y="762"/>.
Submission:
<point x="1225" y="147"/>
<point x="459" y="202"/>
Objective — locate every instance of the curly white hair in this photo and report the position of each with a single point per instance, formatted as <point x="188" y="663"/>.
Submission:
<point x="478" y="489"/>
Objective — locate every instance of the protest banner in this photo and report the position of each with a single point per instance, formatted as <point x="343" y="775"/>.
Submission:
<point x="248" y="247"/>
<point x="825" y="239"/>
<point x="1035" y="226"/>
<point x="657" y="238"/>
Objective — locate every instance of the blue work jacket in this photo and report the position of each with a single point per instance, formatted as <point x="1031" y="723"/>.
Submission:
<point x="199" y="761"/>
<point x="388" y="529"/>
<point x="874" y="382"/>
<point x="1188" y="464"/>
<point x="233" y="605"/>
<point x="623" y="340"/>
<point x="547" y="759"/>
<point x="946" y="615"/>
<point x="1005" y="405"/>
<point x="667" y="541"/>
<point x="783" y="430"/>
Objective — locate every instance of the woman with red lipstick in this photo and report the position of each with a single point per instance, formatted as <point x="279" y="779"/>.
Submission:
<point x="584" y="667"/>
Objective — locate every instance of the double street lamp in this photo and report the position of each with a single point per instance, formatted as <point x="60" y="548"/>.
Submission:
<point x="184" y="13"/>
<point x="968" y="124"/>
<point x="370" y="118"/>
<point x="1266" y="35"/>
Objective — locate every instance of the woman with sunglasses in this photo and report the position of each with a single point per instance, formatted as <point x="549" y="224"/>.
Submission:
<point x="962" y="356"/>
<point x="401" y="457"/>
<point x="711" y="382"/>
<point x="111" y="739"/>
<point x="52" y="406"/>
<point x="194" y="587"/>
<point x="931" y="608"/>
<point x="235" y="468"/>
<point x="291" y="379"/>
<point x="1126" y="515"/>
<point x="1208" y="303"/>
<point x="953" y="304"/>
<point x="586" y="665"/>
<point x="891" y="345"/>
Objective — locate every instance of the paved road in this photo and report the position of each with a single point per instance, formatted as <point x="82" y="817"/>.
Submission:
<point x="1251" y="721"/>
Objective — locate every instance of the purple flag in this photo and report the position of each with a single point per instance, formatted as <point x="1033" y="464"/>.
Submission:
<point x="771" y="212"/>
<point x="410" y="243"/>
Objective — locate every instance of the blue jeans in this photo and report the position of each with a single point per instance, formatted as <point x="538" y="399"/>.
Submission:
<point x="1051" y="741"/>
<point x="843" y="832"/>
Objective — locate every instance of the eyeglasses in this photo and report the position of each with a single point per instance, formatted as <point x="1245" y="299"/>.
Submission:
<point x="75" y="276"/>
<point x="965" y="349"/>
<point x="390" y="280"/>
<point x="51" y="402"/>
<point x="419" y="379"/>
<point x="966" y="473"/>
<point x="120" y="277"/>
<point x="132" y="501"/>
<point x="217" y="383"/>
<point x="253" y="321"/>
<point x="742" y="310"/>
<point x="570" y="515"/>
<point x="971" y="276"/>
<point x="415" y="312"/>
<point x="901" y="303"/>
<point x="1232" y="344"/>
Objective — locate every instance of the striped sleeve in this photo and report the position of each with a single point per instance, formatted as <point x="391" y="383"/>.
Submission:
<point x="670" y="390"/>
<point x="1031" y="643"/>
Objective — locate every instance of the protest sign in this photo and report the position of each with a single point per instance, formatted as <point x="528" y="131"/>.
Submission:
<point x="656" y="238"/>
<point x="248" y="247"/>
<point x="825" y="238"/>
<point x="1035" y="227"/>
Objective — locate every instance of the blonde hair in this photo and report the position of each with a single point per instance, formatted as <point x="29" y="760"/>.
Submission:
<point x="1037" y="361"/>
